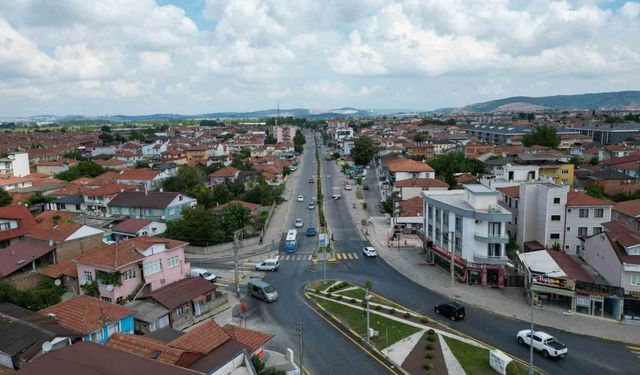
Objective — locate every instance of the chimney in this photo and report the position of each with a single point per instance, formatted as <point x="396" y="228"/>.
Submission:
<point x="51" y="316"/>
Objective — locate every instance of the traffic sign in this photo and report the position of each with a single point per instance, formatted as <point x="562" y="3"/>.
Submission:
<point x="323" y="239"/>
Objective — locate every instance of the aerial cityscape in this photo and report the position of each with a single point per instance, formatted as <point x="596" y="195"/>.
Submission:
<point x="267" y="187"/>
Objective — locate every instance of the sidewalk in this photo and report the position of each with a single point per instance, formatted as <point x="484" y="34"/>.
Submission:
<point x="509" y="302"/>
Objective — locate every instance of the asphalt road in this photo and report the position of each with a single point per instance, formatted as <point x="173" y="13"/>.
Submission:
<point x="327" y="351"/>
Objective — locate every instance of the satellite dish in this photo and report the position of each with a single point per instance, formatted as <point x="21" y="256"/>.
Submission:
<point x="57" y="282"/>
<point x="83" y="281"/>
<point x="46" y="346"/>
<point x="109" y="288"/>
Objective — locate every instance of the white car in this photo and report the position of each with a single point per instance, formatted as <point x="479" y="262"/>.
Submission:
<point x="268" y="265"/>
<point x="369" y="251"/>
<point x="543" y="342"/>
<point x="348" y="187"/>
<point x="299" y="223"/>
<point x="300" y="198"/>
<point x="201" y="272"/>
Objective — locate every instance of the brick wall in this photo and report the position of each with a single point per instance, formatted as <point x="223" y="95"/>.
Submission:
<point x="69" y="249"/>
<point x="26" y="280"/>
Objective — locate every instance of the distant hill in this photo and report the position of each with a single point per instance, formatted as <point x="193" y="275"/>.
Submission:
<point x="603" y="100"/>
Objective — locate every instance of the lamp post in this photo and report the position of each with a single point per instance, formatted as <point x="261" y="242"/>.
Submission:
<point x="367" y="297"/>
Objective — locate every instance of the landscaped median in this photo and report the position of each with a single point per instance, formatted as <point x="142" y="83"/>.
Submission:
<point x="405" y="339"/>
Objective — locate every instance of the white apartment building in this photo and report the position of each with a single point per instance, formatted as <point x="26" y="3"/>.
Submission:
<point x="510" y="175"/>
<point x="551" y="216"/>
<point x="15" y="164"/>
<point x="472" y="224"/>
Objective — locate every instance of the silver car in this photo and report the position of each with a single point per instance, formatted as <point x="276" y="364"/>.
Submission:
<point x="299" y="223"/>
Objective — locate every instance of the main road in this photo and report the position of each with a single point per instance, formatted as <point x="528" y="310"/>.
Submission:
<point x="327" y="351"/>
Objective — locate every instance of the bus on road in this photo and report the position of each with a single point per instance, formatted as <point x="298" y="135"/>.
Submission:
<point x="291" y="243"/>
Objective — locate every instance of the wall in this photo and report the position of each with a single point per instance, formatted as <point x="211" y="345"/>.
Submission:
<point x="50" y="170"/>
<point x="169" y="275"/>
<point x="399" y="176"/>
<point x="411" y="192"/>
<point x="574" y="221"/>
<point x="227" y="246"/>
<point x="26" y="280"/>
<point x="599" y="254"/>
<point x="20" y="164"/>
<point x="535" y="208"/>
<point x="127" y="287"/>
<point x="69" y="249"/>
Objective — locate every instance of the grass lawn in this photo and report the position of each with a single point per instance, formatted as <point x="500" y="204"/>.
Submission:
<point x="322" y="285"/>
<point x="390" y="331"/>
<point x="474" y="360"/>
<point x="359" y="294"/>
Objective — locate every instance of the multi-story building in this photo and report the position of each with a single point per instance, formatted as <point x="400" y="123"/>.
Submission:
<point x="153" y="205"/>
<point x="15" y="164"/>
<point x="399" y="169"/>
<point x="509" y="199"/>
<point x="585" y="216"/>
<point x="611" y="133"/>
<point x="500" y="135"/>
<point x="471" y="224"/>
<point x="627" y="213"/>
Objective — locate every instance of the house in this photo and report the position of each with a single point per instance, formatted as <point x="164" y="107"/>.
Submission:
<point x="629" y="165"/>
<point x="554" y="217"/>
<point x="115" y="164"/>
<point x="70" y="239"/>
<point x="503" y="172"/>
<point x="67" y="203"/>
<point x="20" y="261"/>
<point x="23" y="335"/>
<point x="150" y="316"/>
<point x="464" y="178"/>
<point x="95" y="199"/>
<point x="627" y="213"/>
<point x="15" y="222"/>
<point x="133" y="266"/>
<point x="149" y="179"/>
<point x="409" y="219"/>
<point x="615" y="254"/>
<point x="399" y="169"/>
<point x="254" y="208"/>
<point x="50" y="168"/>
<point x="222" y="174"/>
<point x="91" y="358"/>
<point x="150" y="348"/>
<point x="138" y="227"/>
<point x="615" y="151"/>
<point x="66" y="271"/>
<point x="470" y="223"/>
<point x="9" y="182"/>
<point x="189" y="301"/>
<point x="152" y="205"/>
<point x="94" y="319"/>
<point x="414" y="187"/>
<point x="420" y="149"/>
<point x="473" y="149"/>
<point x="442" y="146"/>
<point x="15" y="164"/>
<point x="129" y="157"/>
<point x="509" y="199"/>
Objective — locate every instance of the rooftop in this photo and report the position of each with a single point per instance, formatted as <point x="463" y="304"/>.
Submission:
<point x="202" y="339"/>
<point x="20" y="254"/>
<point x="629" y="208"/>
<point x="575" y="198"/>
<point x="182" y="291"/>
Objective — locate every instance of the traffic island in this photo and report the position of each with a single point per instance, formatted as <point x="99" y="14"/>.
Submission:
<point x="402" y="339"/>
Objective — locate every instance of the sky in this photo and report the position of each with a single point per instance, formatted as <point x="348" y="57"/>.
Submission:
<point x="99" y="57"/>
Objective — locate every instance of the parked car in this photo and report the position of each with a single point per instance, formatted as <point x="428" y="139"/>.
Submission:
<point x="300" y="198"/>
<point x="299" y="223"/>
<point x="311" y="180"/>
<point x="369" y="251"/>
<point x="543" y="342"/>
<point x="201" y="272"/>
<point x="347" y="187"/>
<point x="268" y="265"/>
<point x="311" y="231"/>
<point x="262" y="290"/>
<point x="451" y="310"/>
<point x="312" y="206"/>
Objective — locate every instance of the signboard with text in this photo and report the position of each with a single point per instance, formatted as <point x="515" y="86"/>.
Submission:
<point x="323" y="240"/>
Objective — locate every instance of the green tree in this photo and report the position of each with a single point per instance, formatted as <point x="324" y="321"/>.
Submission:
<point x="299" y="142"/>
<point x="5" y="198"/>
<point x="575" y="160"/>
<point x="236" y="188"/>
<point x="261" y="194"/>
<point x="187" y="178"/>
<point x="542" y="135"/>
<point x="235" y="216"/>
<point x="142" y="164"/>
<point x="270" y="139"/>
<point x="84" y="168"/>
<point x="36" y="198"/>
<point x="106" y="137"/>
<point x="420" y="137"/>
<point x="455" y="162"/>
<point x="137" y="136"/>
<point x="221" y="194"/>
<point x="363" y="151"/>
<point x="105" y="128"/>
<point x="594" y="160"/>
<point x="595" y="191"/>
<point x="197" y="225"/>
<point x="512" y="368"/>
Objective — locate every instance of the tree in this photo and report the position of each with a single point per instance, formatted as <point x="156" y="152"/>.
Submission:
<point x="137" y="136"/>
<point x="221" y="194"/>
<point x="455" y="162"/>
<point x="595" y="191"/>
<point x="105" y="128"/>
<point x="235" y="216"/>
<point x="197" y="225"/>
<point x="5" y="198"/>
<point x="298" y="142"/>
<point x="36" y="198"/>
<point x="270" y="139"/>
<point x="594" y="160"/>
<point x="575" y="160"/>
<point x="542" y="135"/>
<point x="83" y="169"/>
<point x="142" y="164"/>
<point x="187" y="178"/>
<point x="512" y="369"/>
<point x="363" y="151"/>
<point x="420" y="137"/>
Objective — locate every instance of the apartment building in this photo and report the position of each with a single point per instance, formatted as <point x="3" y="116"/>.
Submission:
<point x="470" y="223"/>
<point x="627" y="213"/>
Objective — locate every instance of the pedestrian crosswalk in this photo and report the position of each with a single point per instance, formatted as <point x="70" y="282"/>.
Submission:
<point x="634" y="349"/>
<point x="307" y="257"/>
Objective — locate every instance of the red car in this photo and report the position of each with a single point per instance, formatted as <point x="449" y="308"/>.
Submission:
<point x="311" y="180"/>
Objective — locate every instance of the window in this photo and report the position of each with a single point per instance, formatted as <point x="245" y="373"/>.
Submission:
<point x="635" y="278"/>
<point x="565" y="171"/>
<point x="598" y="212"/>
<point x="629" y="220"/>
<point x="494" y="229"/>
<point x="125" y="210"/>
<point x="153" y="267"/>
<point x="106" y="299"/>
<point x="437" y="235"/>
<point x="88" y="275"/>
<point x="494" y="250"/>
<point x="633" y="250"/>
<point x="430" y="212"/>
<point x="129" y="274"/>
<point x="597" y="230"/>
<point x="568" y="229"/>
<point x="445" y="219"/>
<point x="208" y="298"/>
<point x="5" y="226"/>
<point x="582" y="231"/>
<point x="615" y="215"/>
<point x="556" y="200"/>
<point x="555" y="236"/>
<point x="516" y="203"/>
<point x="458" y="243"/>
<point x="583" y="212"/>
<point x="437" y="214"/>
<point x="173" y="261"/>
<point x="430" y="231"/>
<point x="459" y="224"/>
<point x="180" y="311"/>
<point x="113" y="328"/>
<point x="96" y="336"/>
<point x="555" y="217"/>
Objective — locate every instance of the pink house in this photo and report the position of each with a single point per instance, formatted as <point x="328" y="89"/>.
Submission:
<point x="134" y="266"/>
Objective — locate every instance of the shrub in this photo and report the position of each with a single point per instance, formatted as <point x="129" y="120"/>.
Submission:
<point x="407" y="315"/>
<point x="431" y="338"/>
<point x="317" y="290"/>
<point x="431" y="332"/>
<point x="392" y="311"/>
<point x="378" y="307"/>
<point x="429" y="356"/>
<point x="429" y="346"/>
<point x="339" y="297"/>
<point x="512" y="369"/>
<point x="428" y="366"/>
<point x="364" y="205"/>
<point x="425" y="320"/>
<point x="363" y="303"/>
<point x="353" y="300"/>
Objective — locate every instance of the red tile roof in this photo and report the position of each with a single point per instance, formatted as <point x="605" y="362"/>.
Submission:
<point x="131" y="225"/>
<point x="411" y="207"/>
<point x="145" y="347"/>
<point x="63" y="268"/>
<point x="203" y="338"/>
<point x="85" y="314"/>
<point x="576" y="198"/>
<point x="421" y="182"/>
<point x="182" y="291"/>
<point x="625" y="159"/>
<point x="142" y="174"/>
<point x="253" y="340"/>
<point x="629" y="208"/>
<point x="225" y="172"/>
<point x="569" y="266"/>
<point x="21" y="214"/>
<point x="248" y="205"/>
<point x="49" y="230"/>
<point x="510" y="191"/>
<point x="49" y="215"/>
<point x="407" y="165"/>
<point x="465" y="178"/>
<point x="114" y="256"/>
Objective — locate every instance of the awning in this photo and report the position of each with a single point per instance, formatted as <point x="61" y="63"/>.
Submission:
<point x="549" y="290"/>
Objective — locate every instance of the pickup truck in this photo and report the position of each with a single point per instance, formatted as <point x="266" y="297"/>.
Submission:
<point x="543" y="342"/>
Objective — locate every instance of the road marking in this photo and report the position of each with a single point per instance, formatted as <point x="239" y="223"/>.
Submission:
<point x="310" y="257"/>
<point x="350" y="256"/>
<point x="287" y="257"/>
<point x="338" y="256"/>
<point x="344" y="256"/>
<point x="355" y="255"/>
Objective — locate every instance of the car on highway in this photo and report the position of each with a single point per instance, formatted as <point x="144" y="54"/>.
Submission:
<point x="201" y="272"/>
<point x="452" y="310"/>
<point x="300" y="198"/>
<point x="299" y="223"/>
<point x="311" y="180"/>
<point x="311" y="231"/>
<point x="369" y="251"/>
<point x="347" y="187"/>
<point x="312" y="206"/>
<point x="268" y="265"/>
<point x="543" y="342"/>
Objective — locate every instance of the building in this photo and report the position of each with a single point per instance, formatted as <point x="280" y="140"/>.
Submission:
<point x="152" y="205"/>
<point x="132" y="267"/>
<point x="9" y="182"/>
<point x="627" y="213"/>
<point x="399" y="169"/>
<point x="15" y="222"/>
<point x="423" y="150"/>
<point x="223" y="174"/>
<point x="69" y="239"/>
<point x="501" y="135"/>
<point x="149" y="179"/>
<point x="608" y="134"/>
<point x="20" y="262"/>
<point x="94" y="319"/>
<point x="131" y="228"/>
<point x="502" y="173"/>
<point x="584" y="217"/>
<point x="472" y="225"/>
<point x="509" y="199"/>
<point x="15" y="164"/>
<point x="628" y="165"/>
<point x="254" y="208"/>
<point x="414" y="187"/>
<point x="54" y="167"/>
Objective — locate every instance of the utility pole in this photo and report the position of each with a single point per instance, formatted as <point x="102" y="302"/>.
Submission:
<point x="300" y="331"/>
<point x="367" y="297"/>
<point x="453" y="259"/>
<point x="324" y="255"/>
<point x="236" y="247"/>
<point x="531" y="332"/>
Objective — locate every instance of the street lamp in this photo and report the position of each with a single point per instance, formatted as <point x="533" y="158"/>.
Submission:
<point x="367" y="297"/>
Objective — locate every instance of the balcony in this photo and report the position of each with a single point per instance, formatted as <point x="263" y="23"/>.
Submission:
<point x="491" y="237"/>
<point x="482" y="257"/>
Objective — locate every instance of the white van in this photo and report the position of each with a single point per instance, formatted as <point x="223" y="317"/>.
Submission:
<point x="268" y="265"/>
<point x="210" y="277"/>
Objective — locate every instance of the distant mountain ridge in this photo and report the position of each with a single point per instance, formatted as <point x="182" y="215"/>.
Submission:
<point x="595" y="101"/>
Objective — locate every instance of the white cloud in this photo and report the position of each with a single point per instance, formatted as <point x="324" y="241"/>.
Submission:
<point x="356" y="58"/>
<point x="155" y="62"/>
<point x="630" y="11"/>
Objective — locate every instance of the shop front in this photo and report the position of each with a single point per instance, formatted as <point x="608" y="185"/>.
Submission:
<point x="468" y="272"/>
